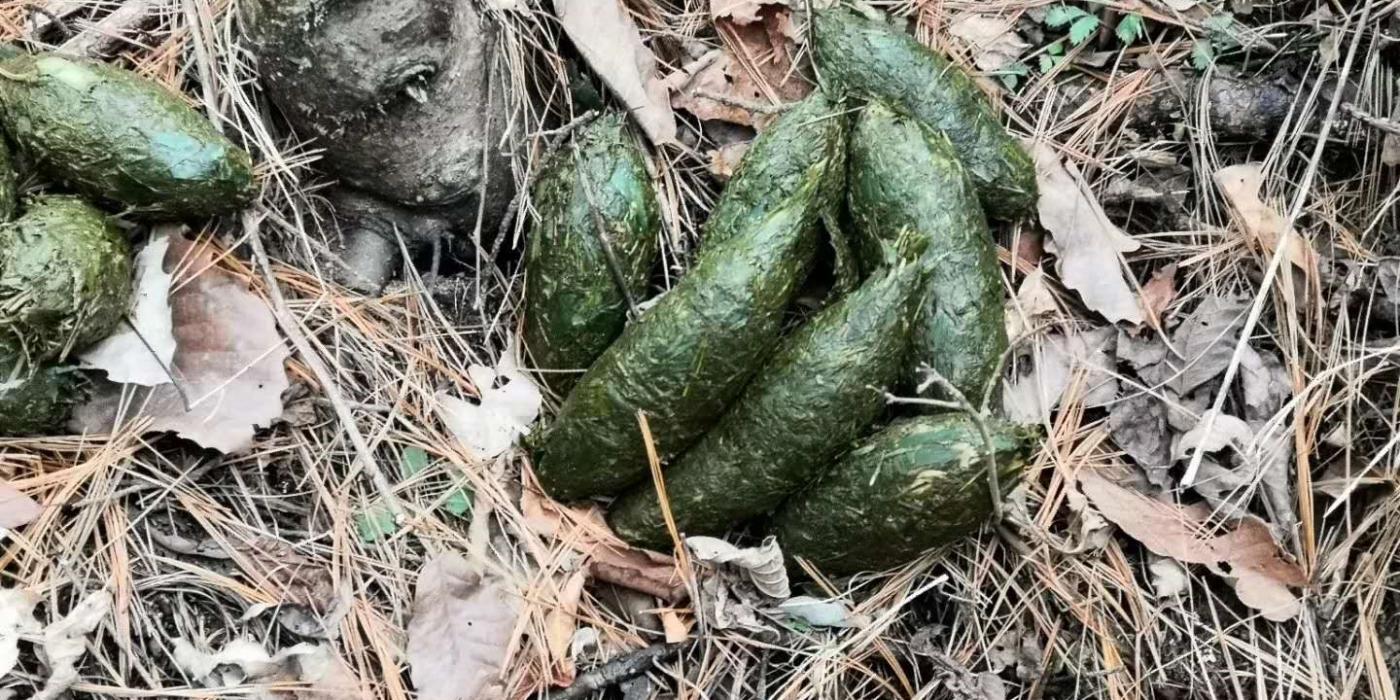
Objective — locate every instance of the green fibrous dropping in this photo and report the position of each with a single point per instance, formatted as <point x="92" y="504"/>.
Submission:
<point x="65" y="279"/>
<point x="574" y="306"/>
<point x="822" y="391"/>
<point x="34" y="402"/>
<point x="9" y="185"/>
<point x="120" y="137"/>
<point x="918" y="484"/>
<point x="906" y="182"/>
<point x="687" y="358"/>
<point x="871" y="59"/>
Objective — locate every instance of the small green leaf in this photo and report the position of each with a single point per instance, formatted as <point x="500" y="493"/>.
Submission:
<point x="1048" y="63"/>
<point x="414" y="461"/>
<point x="1220" y="24"/>
<point x="1010" y="80"/>
<point x="375" y="523"/>
<point x="1056" y="49"/>
<point x="1202" y="54"/>
<point x="1131" y="28"/>
<point x="1083" y="28"/>
<point x="1060" y="15"/>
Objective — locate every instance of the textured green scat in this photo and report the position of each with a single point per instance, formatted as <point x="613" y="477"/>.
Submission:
<point x="906" y="181"/>
<point x="868" y="58"/>
<point x="574" y="308"/>
<point x="820" y="393"/>
<point x="809" y="135"/>
<point x="684" y="361"/>
<point x="688" y="357"/>
<point x="34" y="402"/>
<point x="117" y="136"/>
<point x="65" y="278"/>
<point x="9" y="183"/>
<point x="918" y="484"/>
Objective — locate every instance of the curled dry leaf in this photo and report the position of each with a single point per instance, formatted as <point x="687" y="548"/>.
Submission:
<point x="509" y="402"/>
<point x="992" y="40"/>
<point x="608" y="39"/>
<point x="16" y="620"/>
<point x="1266" y="227"/>
<point x="460" y="631"/>
<point x="1137" y="423"/>
<point x="228" y="362"/>
<point x="1086" y="244"/>
<point x="1244" y="552"/>
<point x="245" y="662"/>
<point x="817" y="612"/>
<point x="16" y="509"/>
<point x="754" y="71"/>
<point x="65" y="641"/>
<point x="762" y="565"/>
<point x="143" y="352"/>
<point x="610" y="559"/>
<point x="1034" y="302"/>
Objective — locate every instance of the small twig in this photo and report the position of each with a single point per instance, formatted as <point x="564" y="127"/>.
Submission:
<point x="555" y="141"/>
<point x="252" y="231"/>
<point x="755" y="107"/>
<point x="629" y="579"/>
<point x="601" y="229"/>
<point x="978" y="419"/>
<point x="622" y="668"/>
<point x="184" y="398"/>
<point x="1378" y="123"/>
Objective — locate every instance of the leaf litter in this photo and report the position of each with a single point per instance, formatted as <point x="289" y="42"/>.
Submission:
<point x="1243" y="552"/>
<point x="143" y="352"/>
<point x="228" y="364"/>
<point x="992" y="40"/>
<point x="508" y="403"/>
<point x="609" y="40"/>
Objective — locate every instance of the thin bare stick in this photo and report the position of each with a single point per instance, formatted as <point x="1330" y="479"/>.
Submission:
<point x="978" y="419"/>
<point x="622" y="668"/>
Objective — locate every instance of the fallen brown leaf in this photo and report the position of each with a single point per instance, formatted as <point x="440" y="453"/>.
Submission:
<point x="1265" y="226"/>
<point x="228" y="362"/>
<point x="610" y="559"/>
<point x="560" y="623"/>
<point x="1244" y="552"/>
<point x="460" y="631"/>
<point x="608" y="39"/>
<point x="753" y="71"/>
<point x="1086" y="244"/>
<point x="1158" y="294"/>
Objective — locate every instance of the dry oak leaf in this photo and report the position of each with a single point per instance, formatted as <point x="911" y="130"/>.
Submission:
<point x="561" y="622"/>
<point x="609" y="41"/>
<point x="228" y="364"/>
<point x="762" y="565"/>
<point x="460" y="631"/>
<point x="1244" y="552"/>
<point x="1086" y="244"/>
<point x="1265" y="226"/>
<point x="1158" y="294"/>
